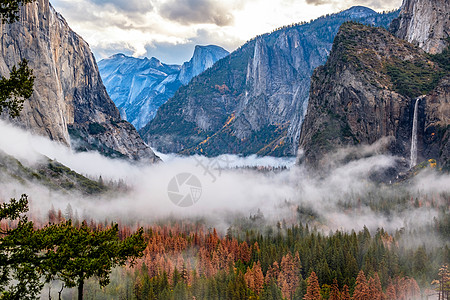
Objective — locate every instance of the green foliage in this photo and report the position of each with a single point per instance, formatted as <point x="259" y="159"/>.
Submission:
<point x="19" y="277"/>
<point x="96" y="128"/>
<point x="51" y="174"/>
<point x="443" y="59"/>
<point x="58" y="251"/>
<point x="81" y="253"/>
<point x="16" y="89"/>
<point x="413" y="78"/>
<point x="9" y="9"/>
<point x="19" y="86"/>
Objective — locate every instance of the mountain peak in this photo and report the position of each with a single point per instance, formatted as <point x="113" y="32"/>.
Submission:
<point x="204" y="57"/>
<point x="118" y="55"/>
<point x="358" y="11"/>
<point x="138" y="86"/>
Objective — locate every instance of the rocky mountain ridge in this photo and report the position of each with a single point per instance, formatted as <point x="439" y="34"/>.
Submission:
<point x="367" y="91"/>
<point x="140" y="86"/>
<point x="254" y="100"/>
<point x="68" y="91"/>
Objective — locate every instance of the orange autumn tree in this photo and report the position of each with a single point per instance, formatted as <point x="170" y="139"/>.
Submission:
<point x="254" y="278"/>
<point x="289" y="276"/>
<point x="375" y="290"/>
<point x="334" y="293"/>
<point x="345" y="295"/>
<point x="313" y="288"/>
<point x="362" y="289"/>
<point x="272" y="272"/>
<point x="443" y="282"/>
<point x="390" y="291"/>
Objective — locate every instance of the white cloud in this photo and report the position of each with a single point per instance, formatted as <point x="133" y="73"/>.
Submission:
<point x="139" y="27"/>
<point x="230" y="192"/>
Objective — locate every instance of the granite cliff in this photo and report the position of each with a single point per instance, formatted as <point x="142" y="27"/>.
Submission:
<point x="367" y="91"/>
<point x="68" y="93"/>
<point x="425" y="23"/>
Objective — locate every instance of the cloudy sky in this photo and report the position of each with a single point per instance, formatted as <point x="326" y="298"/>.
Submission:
<point x="169" y="29"/>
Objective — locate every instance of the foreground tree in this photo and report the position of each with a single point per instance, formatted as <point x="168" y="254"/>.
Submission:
<point x="16" y="89"/>
<point x="19" y="248"/>
<point x="76" y="254"/>
<point x="9" y="9"/>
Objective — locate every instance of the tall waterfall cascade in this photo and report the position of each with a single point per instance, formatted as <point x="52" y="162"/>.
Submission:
<point x="413" y="160"/>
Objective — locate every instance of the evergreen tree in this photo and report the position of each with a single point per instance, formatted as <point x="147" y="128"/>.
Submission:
<point x="361" y="289"/>
<point x="19" y="248"/>
<point x="313" y="288"/>
<point x="68" y="213"/>
<point x="16" y="89"/>
<point x="271" y="292"/>
<point x="19" y="86"/>
<point x="76" y="254"/>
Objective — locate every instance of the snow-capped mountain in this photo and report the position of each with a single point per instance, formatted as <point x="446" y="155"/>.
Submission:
<point x="140" y="86"/>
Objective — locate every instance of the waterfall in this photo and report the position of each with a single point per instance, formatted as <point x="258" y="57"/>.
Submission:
<point x="413" y="160"/>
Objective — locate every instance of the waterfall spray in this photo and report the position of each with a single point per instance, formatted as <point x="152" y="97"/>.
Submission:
<point x="413" y="160"/>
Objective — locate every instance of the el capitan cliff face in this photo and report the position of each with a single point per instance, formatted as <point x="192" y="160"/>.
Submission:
<point x="68" y="91"/>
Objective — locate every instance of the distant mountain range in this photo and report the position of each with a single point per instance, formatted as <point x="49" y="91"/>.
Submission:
<point x="254" y="100"/>
<point x="140" y="86"/>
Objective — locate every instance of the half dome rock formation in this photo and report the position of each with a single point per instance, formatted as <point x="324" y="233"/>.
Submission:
<point x="139" y="86"/>
<point x="425" y="23"/>
<point x="68" y="94"/>
<point x="204" y="58"/>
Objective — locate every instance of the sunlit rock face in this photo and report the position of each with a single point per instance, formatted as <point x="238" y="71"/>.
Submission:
<point x="425" y="23"/>
<point x="68" y="91"/>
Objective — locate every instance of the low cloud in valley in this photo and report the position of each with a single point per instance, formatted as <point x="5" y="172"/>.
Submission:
<point x="231" y="187"/>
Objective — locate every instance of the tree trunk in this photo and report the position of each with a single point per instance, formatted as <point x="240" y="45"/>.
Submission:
<point x="80" y="290"/>
<point x="60" y="291"/>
